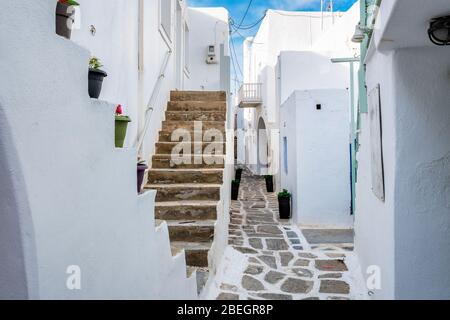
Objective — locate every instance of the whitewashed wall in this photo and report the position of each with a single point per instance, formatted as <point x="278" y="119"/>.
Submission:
<point x="118" y="44"/>
<point x="318" y="164"/>
<point x="407" y="234"/>
<point x="284" y="60"/>
<point x="308" y="70"/>
<point x="208" y="26"/>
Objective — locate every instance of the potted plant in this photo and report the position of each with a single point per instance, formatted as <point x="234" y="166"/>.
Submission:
<point x="235" y="189"/>
<point x="121" y="127"/>
<point x="141" y="167"/>
<point x="284" y="204"/>
<point x="96" y="77"/>
<point x="269" y="182"/>
<point x="65" y="17"/>
<point x="238" y="174"/>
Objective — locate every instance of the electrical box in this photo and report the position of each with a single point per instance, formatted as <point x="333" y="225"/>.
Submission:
<point x="211" y="55"/>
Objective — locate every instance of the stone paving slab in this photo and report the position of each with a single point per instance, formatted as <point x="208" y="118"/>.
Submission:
<point x="270" y="259"/>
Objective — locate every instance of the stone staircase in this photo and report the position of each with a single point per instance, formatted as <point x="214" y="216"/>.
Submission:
<point x="188" y="192"/>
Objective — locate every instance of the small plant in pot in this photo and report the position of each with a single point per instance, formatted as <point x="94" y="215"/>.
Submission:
<point x="141" y="167"/>
<point x="238" y="175"/>
<point x="65" y="12"/>
<point x="96" y="76"/>
<point x="235" y="189"/>
<point x="284" y="204"/>
<point x="121" y="127"/>
<point x="269" y="182"/>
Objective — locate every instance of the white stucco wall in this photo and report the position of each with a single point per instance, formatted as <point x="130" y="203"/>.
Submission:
<point x="118" y="44"/>
<point x="117" y="49"/>
<point x="310" y="71"/>
<point x="74" y="193"/>
<point x="318" y="157"/>
<point x="284" y="60"/>
<point x="407" y="234"/>
<point x="208" y="26"/>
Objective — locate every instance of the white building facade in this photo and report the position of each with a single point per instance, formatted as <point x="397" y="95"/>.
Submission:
<point x="279" y="63"/>
<point x="313" y="121"/>
<point x="402" y="211"/>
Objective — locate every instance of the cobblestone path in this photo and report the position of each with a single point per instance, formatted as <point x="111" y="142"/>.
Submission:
<point x="270" y="259"/>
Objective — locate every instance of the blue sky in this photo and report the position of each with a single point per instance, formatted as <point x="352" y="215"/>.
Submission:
<point x="237" y="9"/>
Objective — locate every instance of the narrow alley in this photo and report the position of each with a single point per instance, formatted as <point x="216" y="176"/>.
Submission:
<point x="271" y="259"/>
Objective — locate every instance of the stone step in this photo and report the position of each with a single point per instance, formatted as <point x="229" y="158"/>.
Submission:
<point x="196" y="252"/>
<point x="192" y="125"/>
<point x="197" y="106"/>
<point x="178" y="176"/>
<point x="191" y="230"/>
<point x="165" y="161"/>
<point x="186" y="210"/>
<point x="198" y="96"/>
<point x="186" y="192"/>
<point x="195" y="116"/>
<point x="209" y="148"/>
<point x="174" y="136"/>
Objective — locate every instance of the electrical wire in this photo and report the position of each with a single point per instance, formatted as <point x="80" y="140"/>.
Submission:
<point x="252" y="25"/>
<point x="235" y="55"/>
<point x="245" y="14"/>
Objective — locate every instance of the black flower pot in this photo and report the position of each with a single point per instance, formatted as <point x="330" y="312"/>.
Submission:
<point x="96" y="77"/>
<point x="140" y="175"/>
<point x="238" y="175"/>
<point x="234" y="191"/>
<point x="64" y="20"/>
<point x="284" y="205"/>
<point x="269" y="183"/>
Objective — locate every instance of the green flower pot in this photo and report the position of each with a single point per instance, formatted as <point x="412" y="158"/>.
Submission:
<point x="121" y="130"/>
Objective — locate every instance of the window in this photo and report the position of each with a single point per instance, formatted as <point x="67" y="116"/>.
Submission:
<point x="165" y="17"/>
<point x="186" y="48"/>
<point x="318" y="106"/>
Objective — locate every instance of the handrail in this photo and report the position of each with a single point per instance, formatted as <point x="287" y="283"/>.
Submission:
<point x="152" y="99"/>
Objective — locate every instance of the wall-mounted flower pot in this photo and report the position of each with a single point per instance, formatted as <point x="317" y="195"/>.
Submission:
<point x="64" y="19"/>
<point x="234" y="191"/>
<point x="269" y="183"/>
<point x="238" y="175"/>
<point x="121" y="130"/>
<point x="141" y="167"/>
<point x="96" y="77"/>
<point x="284" y="205"/>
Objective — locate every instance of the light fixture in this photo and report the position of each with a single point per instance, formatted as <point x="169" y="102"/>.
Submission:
<point x="360" y="33"/>
<point x="439" y="31"/>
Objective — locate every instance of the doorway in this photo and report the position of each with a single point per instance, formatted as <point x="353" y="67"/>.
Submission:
<point x="263" y="148"/>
